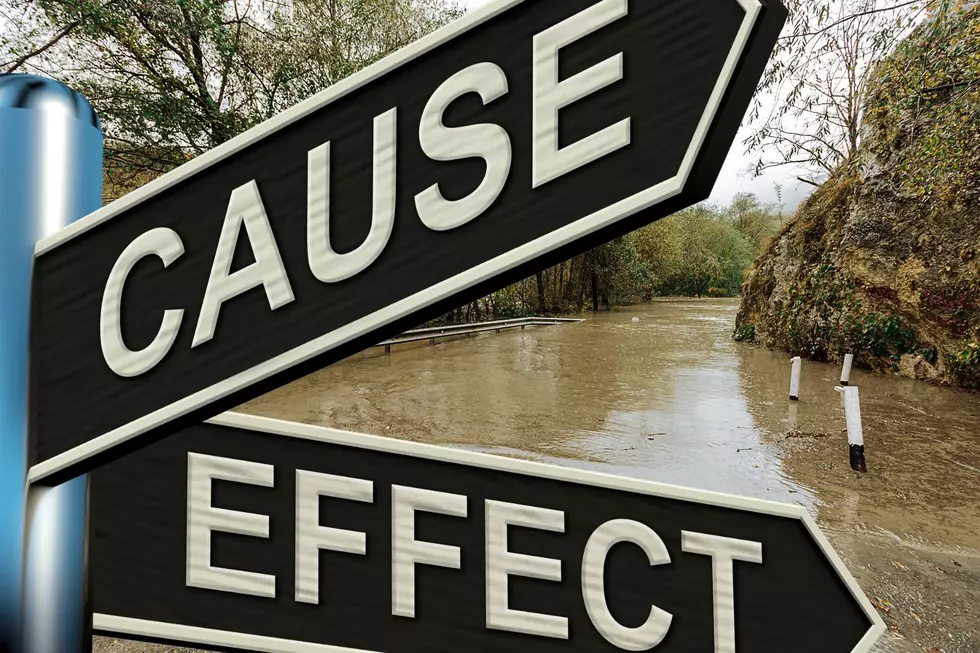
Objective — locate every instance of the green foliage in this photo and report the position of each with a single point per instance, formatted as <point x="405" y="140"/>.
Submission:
<point x="705" y="247"/>
<point x="628" y="275"/>
<point x="965" y="365"/>
<point x="882" y="336"/>
<point x="745" y="333"/>
<point x="701" y="251"/>
<point x="172" y="79"/>
<point x="908" y="195"/>
<point x="925" y="101"/>
<point x="758" y="223"/>
<point x="929" y="354"/>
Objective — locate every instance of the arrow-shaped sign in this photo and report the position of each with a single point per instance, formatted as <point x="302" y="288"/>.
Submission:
<point x="521" y="134"/>
<point x="262" y="535"/>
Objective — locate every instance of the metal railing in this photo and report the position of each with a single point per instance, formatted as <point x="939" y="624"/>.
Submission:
<point x="431" y="333"/>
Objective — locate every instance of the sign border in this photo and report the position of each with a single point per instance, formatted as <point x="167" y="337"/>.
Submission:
<point x="404" y="307"/>
<point x="161" y="631"/>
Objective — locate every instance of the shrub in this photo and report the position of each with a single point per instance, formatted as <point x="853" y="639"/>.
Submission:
<point x="745" y="333"/>
<point x="965" y="365"/>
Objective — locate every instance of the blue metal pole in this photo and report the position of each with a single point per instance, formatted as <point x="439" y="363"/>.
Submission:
<point x="50" y="175"/>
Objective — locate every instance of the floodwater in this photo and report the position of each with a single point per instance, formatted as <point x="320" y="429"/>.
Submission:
<point x="661" y="392"/>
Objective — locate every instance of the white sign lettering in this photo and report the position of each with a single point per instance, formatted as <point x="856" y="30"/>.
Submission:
<point x="723" y="551"/>
<point x="548" y="162"/>
<point x="603" y="539"/>
<point x="327" y="265"/>
<point x="487" y="141"/>
<point x="502" y="563"/>
<point x="165" y="244"/>
<point x="245" y="208"/>
<point x="311" y="537"/>
<point x="407" y="552"/>
<point x="202" y="518"/>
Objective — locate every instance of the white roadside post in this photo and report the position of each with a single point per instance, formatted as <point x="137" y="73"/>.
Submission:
<point x="794" y="381"/>
<point x="845" y="374"/>
<point x="855" y="436"/>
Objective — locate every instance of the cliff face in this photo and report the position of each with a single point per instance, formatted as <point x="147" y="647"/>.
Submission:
<point x="883" y="261"/>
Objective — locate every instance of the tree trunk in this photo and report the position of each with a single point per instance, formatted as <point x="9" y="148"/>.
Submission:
<point x="595" y="292"/>
<point x="700" y="286"/>
<point x="554" y="286"/>
<point x="540" y="278"/>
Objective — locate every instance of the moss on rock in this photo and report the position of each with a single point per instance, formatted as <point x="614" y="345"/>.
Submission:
<point x="883" y="260"/>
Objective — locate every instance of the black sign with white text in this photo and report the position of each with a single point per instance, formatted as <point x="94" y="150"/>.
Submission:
<point x="524" y="133"/>
<point x="262" y="535"/>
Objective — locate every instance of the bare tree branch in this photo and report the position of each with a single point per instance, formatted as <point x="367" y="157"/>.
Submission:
<point x="859" y="14"/>
<point x="11" y="66"/>
<point x="947" y="87"/>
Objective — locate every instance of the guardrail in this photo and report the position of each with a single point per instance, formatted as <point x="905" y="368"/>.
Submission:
<point x="431" y="333"/>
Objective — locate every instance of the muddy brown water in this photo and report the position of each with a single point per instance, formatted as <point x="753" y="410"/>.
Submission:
<point x="661" y="392"/>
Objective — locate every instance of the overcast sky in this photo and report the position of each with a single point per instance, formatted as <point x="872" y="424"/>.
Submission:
<point x="730" y="181"/>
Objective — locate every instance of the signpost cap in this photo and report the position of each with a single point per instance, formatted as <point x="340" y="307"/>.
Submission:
<point x="22" y="91"/>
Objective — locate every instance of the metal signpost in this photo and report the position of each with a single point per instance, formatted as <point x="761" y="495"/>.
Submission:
<point x="252" y="533"/>
<point x="50" y="175"/>
<point x="523" y="133"/>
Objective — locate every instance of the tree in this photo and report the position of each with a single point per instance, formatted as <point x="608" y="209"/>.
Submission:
<point x="754" y="221"/>
<point x="660" y="247"/>
<point x="817" y="79"/>
<point x="172" y="79"/>
<point x="733" y="251"/>
<point x="778" y="189"/>
<point x="700" y="267"/>
<point x="620" y="273"/>
<point x="682" y="261"/>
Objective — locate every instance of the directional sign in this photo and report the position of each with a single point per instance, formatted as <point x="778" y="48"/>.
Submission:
<point x="518" y="136"/>
<point x="251" y="533"/>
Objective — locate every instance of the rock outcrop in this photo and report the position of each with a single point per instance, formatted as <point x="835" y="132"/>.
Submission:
<point x="883" y="260"/>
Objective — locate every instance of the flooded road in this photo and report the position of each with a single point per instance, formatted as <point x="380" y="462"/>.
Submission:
<point x="661" y="392"/>
<point x="669" y="397"/>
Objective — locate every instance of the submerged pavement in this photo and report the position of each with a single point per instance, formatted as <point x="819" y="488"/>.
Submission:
<point x="661" y="392"/>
